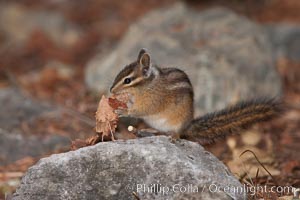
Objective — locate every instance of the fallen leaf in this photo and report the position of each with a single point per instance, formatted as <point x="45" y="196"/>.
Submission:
<point x="119" y="101"/>
<point x="115" y="103"/>
<point x="79" y="143"/>
<point x="106" y="118"/>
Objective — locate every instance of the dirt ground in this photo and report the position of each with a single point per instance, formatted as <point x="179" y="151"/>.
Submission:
<point x="279" y="138"/>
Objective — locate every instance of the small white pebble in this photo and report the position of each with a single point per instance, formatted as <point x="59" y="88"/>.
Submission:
<point x="130" y="128"/>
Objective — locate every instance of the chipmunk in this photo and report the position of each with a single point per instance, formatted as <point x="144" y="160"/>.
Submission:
<point x="163" y="98"/>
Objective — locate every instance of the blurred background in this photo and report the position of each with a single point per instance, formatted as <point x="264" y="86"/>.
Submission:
<point x="58" y="57"/>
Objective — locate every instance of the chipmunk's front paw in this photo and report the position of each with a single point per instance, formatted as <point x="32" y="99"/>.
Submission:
<point x="121" y="112"/>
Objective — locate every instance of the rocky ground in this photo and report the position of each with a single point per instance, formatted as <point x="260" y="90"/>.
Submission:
<point x="53" y="53"/>
<point x="111" y="170"/>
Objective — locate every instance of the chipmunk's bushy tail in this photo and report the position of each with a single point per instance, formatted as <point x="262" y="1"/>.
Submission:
<point x="210" y="127"/>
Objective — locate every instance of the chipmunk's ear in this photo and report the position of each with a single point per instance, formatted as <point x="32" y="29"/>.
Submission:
<point x="144" y="60"/>
<point x="141" y="53"/>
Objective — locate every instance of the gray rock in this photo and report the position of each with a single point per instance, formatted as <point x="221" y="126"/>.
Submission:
<point x="286" y="40"/>
<point x="226" y="55"/>
<point x="17" y="108"/>
<point x="113" y="170"/>
<point x="14" y="144"/>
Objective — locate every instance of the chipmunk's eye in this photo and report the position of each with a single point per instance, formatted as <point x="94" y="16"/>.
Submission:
<point x="127" y="80"/>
